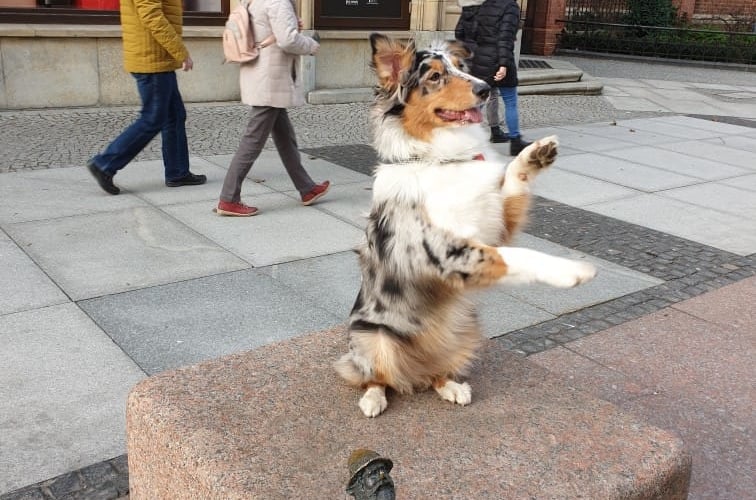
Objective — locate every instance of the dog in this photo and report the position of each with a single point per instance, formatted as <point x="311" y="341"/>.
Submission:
<point x="444" y="205"/>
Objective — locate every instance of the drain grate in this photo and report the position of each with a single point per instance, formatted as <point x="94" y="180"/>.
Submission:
<point x="533" y="64"/>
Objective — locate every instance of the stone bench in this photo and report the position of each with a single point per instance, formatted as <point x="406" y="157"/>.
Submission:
<point x="277" y="422"/>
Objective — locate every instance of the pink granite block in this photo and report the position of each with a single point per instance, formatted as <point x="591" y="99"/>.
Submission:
<point x="277" y="422"/>
<point x="685" y="374"/>
<point x="732" y="306"/>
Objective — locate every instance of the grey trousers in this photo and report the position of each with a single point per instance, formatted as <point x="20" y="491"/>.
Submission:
<point x="264" y="121"/>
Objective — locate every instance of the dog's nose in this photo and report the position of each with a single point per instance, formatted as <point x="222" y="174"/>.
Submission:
<point x="481" y="89"/>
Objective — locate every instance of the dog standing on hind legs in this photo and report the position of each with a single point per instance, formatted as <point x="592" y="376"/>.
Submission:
<point x="443" y="206"/>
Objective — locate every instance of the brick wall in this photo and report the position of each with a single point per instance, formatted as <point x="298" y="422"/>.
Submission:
<point x="726" y="7"/>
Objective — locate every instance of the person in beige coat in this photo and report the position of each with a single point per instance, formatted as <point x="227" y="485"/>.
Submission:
<point x="270" y="84"/>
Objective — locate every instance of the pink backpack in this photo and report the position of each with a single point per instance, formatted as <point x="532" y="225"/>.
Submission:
<point x="238" y="37"/>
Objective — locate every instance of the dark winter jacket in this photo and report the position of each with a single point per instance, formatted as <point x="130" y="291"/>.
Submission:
<point x="489" y="29"/>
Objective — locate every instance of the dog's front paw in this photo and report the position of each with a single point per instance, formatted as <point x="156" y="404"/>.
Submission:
<point x="373" y="402"/>
<point x="455" y="392"/>
<point x="565" y="273"/>
<point x="542" y="153"/>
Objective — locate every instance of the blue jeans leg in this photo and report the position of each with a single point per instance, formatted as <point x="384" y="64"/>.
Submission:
<point x="511" y="114"/>
<point x="162" y="109"/>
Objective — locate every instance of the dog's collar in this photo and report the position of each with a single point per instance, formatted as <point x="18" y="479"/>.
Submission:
<point x="476" y="156"/>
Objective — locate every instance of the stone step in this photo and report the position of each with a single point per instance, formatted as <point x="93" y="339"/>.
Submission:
<point x="531" y="82"/>
<point x="277" y="422"/>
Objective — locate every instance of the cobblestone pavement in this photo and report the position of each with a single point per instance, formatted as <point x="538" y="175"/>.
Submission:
<point x="57" y="138"/>
<point x="42" y="139"/>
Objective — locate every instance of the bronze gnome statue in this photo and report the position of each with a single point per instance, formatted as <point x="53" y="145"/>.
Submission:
<point x="369" y="476"/>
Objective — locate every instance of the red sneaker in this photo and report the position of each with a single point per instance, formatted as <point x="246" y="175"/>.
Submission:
<point x="235" y="209"/>
<point x="317" y="192"/>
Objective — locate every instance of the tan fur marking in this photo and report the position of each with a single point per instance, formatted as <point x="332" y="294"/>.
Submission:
<point x="515" y="212"/>
<point x="420" y="118"/>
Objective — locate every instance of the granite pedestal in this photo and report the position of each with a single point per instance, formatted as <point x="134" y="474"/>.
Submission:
<point x="277" y="422"/>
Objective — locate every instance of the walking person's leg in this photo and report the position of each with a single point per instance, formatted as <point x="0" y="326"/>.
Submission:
<point x="512" y="118"/>
<point x="136" y="136"/>
<point x="285" y="140"/>
<point x="175" y="148"/>
<point x="493" y="118"/>
<point x="261" y="120"/>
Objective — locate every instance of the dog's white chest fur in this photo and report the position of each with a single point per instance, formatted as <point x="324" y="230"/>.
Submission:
<point x="462" y="197"/>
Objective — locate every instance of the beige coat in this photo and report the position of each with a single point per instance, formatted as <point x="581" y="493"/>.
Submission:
<point x="271" y="79"/>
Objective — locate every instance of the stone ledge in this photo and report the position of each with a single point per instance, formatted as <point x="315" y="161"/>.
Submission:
<point x="276" y="422"/>
<point x="91" y="31"/>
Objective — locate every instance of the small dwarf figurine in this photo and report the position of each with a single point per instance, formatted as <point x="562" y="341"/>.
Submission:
<point x="370" y="478"/>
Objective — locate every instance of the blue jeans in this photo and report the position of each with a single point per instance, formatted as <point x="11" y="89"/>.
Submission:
<point x="511" y="114"/>
<point x="162" y="111"/>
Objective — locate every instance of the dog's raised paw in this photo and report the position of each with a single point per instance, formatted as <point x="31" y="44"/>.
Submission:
<point x="373" y="402"/>
<point x="543" y="152"/>
<point x="455" y="392"/>
<point x="565" y="273"/>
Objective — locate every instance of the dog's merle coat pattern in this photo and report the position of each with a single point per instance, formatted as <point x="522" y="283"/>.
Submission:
<point x="433" y="231"/>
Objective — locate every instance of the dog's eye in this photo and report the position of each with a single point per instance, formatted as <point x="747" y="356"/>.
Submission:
<point x="434" y="77"/>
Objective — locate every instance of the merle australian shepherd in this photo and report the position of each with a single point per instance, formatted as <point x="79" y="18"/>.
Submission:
<point x="444" y="205"/>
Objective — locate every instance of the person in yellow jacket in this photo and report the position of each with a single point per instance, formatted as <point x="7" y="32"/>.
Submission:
<point x="152" y="52"/>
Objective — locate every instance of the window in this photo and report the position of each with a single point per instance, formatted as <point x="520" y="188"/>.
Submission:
<point x="196" y="12"/>
<point x="362" y="14"/>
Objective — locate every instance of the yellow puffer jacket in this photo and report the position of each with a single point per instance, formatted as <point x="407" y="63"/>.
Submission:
<point x="152" y="35"/>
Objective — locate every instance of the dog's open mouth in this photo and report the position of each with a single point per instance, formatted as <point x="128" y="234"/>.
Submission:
<point x="472" y="115"/>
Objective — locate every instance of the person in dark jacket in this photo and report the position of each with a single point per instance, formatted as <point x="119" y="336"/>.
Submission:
<point x="489" y="29"/>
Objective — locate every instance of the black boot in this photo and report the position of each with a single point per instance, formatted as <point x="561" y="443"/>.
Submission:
<point x="517" y="145"/>
<point x="497" y="135"/>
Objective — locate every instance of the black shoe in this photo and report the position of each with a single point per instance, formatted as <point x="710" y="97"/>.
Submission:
<point x="517" y="145"/>
<point x="189" y="179"/>
<point x="497" y="135"/>
<point x="103" y="179"/>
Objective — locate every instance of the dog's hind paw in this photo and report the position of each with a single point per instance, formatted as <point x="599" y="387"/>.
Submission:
<point x="373" y="402"/>
<point x="455" y="392"/>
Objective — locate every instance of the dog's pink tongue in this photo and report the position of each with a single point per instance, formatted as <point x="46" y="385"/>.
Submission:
<point x="472" y="115"/>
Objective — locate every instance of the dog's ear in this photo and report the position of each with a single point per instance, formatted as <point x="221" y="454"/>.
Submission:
<point x="459" y="50"/>
<point x="391" y="58"/>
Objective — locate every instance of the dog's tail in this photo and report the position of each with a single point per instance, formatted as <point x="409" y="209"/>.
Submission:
<point x="352" y="371"/>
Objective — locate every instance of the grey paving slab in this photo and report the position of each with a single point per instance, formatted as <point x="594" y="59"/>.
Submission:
<point x="612" y="281"/>
<point x="743" y="182"/>
<point x="330" y="281"/>
<point x="350" y="202"/>
<point x="63" y="396"/>
<point x="628" y="102"/>
<point x="714" y="152"/>
<point x="724" y="231"/>
<point x="183" y="323"/>
<point x="24" y="286"/>
<point x="720" y="197"/>
<point x="98" y="254"/>
<point x="577" y="190"/>
<point x="61" y="192"/>
<point x="626" y="134"/>
<point x="144" y="179"/>
<point x="624" y="173"/>
<point x="666" y="128"/>
<point x="580" y="140"/>
<point x="270" y="172"/>
<point x="698" y="123"/>
<point x="283" y="231"/>
<point x="745" y="143"/>
<point x="679" y="163"/>
<point x="499" y="312"/>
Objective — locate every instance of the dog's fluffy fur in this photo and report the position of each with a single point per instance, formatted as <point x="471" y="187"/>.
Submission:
<point x="436" y="226"/>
